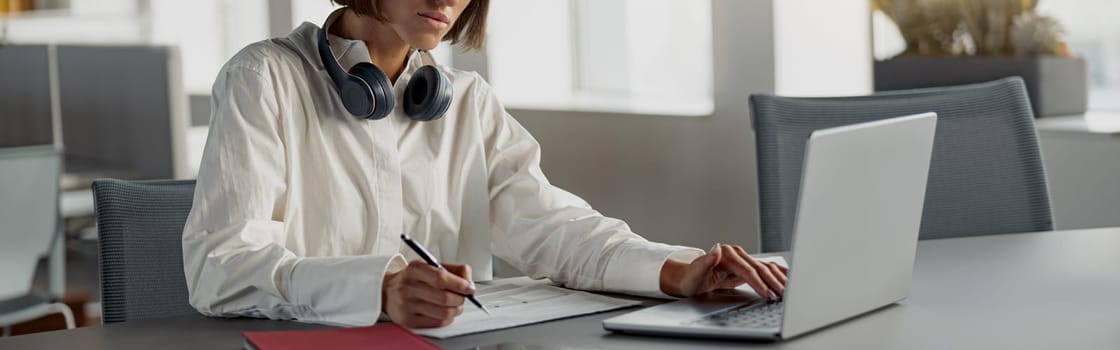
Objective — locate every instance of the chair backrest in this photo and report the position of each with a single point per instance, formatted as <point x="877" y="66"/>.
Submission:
<point x="140" y="249"/>
<point x="986" y="175"/>
<point x="25" y="95"/>
<point x="122" y="108"/>
<point x="28" y="213"/>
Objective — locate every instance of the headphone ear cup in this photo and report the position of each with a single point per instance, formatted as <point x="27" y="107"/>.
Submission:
<point x="382" y="91"/>
<point x="428" y="94"/>
<point x="356" y="97"/>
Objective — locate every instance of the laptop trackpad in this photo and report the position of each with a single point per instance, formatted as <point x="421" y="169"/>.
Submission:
<point x="700" y="305"/>
<point x="721" y="299"/>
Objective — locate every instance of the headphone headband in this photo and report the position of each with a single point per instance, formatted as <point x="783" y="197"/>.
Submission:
<point x="330" y="63"/>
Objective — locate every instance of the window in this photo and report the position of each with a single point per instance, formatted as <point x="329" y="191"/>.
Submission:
<point x="208" y="33"/>
<point x="314" y="11"/>
<point x="1092" y="33"/>
<point x="649" y="57"/>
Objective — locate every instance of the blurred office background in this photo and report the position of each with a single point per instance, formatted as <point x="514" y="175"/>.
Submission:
<point x="640" y="106"/>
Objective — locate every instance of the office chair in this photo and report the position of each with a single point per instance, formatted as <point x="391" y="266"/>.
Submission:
<point x="140" y="249"/>
<point x="985" y="177"/>
<point x="29" y="227"/>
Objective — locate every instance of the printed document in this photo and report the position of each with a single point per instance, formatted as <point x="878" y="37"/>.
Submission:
<point x="513" y="305"/>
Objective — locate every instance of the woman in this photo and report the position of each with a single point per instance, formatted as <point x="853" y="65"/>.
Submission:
<point x="303" y="192"/>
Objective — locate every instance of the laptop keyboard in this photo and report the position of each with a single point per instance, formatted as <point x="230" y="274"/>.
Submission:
<point x="766" y="315"/>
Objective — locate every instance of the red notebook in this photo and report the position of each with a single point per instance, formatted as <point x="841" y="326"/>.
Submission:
<point x="382" y="336"/>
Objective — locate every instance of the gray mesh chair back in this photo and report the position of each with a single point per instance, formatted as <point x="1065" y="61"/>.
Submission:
<point x="985" y="177"/>
<point x="140" y="233"/>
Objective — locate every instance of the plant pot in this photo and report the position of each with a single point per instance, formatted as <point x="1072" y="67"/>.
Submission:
<point x="1056" y="85"/>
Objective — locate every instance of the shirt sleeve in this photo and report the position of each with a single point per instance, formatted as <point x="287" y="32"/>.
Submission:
<point x="547" y="232"/>
<point x="234" y="255"/>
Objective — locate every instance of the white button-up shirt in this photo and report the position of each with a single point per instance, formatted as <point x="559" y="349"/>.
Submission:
<point x="299" y="205"/>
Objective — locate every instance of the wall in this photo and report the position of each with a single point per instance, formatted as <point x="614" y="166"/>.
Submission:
<point x="682" y="180"/>
<point x="691" y="180"/>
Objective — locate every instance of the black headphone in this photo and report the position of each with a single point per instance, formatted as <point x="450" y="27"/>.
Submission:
<point x="367" y="93"/>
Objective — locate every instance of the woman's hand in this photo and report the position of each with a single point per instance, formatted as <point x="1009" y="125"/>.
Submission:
<point x="422" y="296"/>
<point x="725" y="266"/>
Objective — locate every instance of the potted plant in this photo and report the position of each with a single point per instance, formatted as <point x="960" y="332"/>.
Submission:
<point x="952" y="42"/>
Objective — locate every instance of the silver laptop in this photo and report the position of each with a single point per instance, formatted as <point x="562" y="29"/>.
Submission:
<point x="854" y="239"/>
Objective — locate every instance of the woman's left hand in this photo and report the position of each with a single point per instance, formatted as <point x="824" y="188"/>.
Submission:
<point x="723" y="267"/>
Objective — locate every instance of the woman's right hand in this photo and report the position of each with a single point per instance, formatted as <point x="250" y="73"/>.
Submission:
<point x="423" y="296"/>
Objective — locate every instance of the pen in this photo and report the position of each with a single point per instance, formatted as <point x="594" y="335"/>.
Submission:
<point x="431" y="260"/>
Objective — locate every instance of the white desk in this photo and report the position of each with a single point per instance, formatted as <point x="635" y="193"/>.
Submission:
<point x="76" y="203"/>
<point x="1081" y="154"/>
<point x="1092" y="122"/>
<point x="1052" y="290"/>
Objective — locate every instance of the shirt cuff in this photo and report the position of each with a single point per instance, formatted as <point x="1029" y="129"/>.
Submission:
<point x="635" y="268"/>
<point x="341" y="291"/>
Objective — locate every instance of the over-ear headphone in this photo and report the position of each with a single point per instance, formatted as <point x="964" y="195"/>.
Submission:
<point x="367" y="93"/>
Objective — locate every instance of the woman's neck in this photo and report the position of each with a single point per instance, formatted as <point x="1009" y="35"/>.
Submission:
<point x="386" y="49"/>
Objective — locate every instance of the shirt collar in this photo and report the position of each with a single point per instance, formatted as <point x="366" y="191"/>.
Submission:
<point x="348" y="52"/>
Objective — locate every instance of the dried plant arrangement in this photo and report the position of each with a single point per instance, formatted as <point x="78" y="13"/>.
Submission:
<point x="974" y="27"/>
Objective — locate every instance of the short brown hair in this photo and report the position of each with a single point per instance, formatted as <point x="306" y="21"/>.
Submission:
<point x="469" y="30"/>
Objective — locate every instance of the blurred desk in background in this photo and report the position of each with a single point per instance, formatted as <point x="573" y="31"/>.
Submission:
<point x="1081" y="154"/>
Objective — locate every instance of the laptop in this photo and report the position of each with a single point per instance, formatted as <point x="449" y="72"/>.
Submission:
<point x="854" y="239"/>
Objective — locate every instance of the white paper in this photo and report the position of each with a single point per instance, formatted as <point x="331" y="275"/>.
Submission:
<point x="513" y="305"/>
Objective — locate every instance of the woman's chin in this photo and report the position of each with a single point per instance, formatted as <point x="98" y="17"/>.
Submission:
<point x="426" y="44"/>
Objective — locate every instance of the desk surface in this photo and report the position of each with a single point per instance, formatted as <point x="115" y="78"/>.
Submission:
<point x="1033" y="290"/>
<point x="1091" y="122"/>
